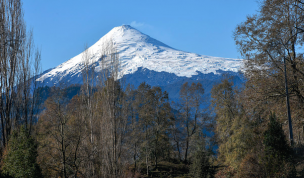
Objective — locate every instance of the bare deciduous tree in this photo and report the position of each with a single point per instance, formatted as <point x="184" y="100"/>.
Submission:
<point x="19" y="62"/>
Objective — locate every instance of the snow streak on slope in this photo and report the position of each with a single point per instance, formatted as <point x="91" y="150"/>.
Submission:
<point x="139" y="50"/>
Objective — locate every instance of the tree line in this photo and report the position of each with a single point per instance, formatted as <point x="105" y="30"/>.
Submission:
<point x="117" y="130"/>
<point x="106" y="130"/>
<point x="113" y="130"/>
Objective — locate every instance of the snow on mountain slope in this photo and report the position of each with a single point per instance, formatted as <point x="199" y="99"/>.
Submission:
<point x="137" y="50"/>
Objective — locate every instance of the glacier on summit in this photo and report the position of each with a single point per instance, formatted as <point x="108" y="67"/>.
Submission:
<point x="139" y="51"/>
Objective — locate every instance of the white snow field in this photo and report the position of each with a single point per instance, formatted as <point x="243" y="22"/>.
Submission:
<point x="139" y="50"/>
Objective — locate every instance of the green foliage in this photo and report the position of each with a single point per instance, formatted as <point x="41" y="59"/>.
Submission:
<point x="201" y="166"/>
<point x="278" y="154"/>
<point x="234" y="130"/>
<point x="240" y="142"/>
<point x="224" y="104"/>
<point x="275" y="140"/>
<point x="20" y="158"/>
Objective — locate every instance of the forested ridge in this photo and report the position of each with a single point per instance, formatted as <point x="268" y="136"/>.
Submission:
<point x="112" y="129"/>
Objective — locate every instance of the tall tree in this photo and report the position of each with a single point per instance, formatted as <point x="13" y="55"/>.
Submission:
<point x="19" y="62"/>
<point x="155" y="118"/>
<point x="133" y="137"/>
<point x="55" y="136"/>
<point x="191" y="112"/>
<point x="88" y="75"/>
<point x="161" y="122"/>
<point x="113" y="120"/>
<point x="145" y="111"/>
<point x="233" y="128"/>
<point x="266" y="40"/>
<point x="86" y="112"/>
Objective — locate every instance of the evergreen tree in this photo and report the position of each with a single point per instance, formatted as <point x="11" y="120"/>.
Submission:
<point x="275" y="139"/>
<point x="20" y="158"/>
<point x="278" y="154"/>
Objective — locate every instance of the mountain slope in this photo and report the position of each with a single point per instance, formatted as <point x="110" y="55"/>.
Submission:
<point x="139" y="51"/>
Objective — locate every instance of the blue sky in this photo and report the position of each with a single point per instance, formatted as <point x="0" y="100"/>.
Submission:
<point x="63" y="27"/>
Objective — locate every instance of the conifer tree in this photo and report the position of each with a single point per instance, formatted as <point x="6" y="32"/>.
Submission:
<point x="277" y="151"/>
<point x="275" y="139"/>
<point x="21" y="155"/>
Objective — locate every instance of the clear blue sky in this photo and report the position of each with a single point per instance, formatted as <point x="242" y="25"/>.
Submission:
<point x="62" y="27"/>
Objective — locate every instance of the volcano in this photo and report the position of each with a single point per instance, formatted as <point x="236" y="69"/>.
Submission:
<point x="145" y="59"/>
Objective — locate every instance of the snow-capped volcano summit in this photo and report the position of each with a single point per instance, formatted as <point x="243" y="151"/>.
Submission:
<point x="139" y="51"/>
